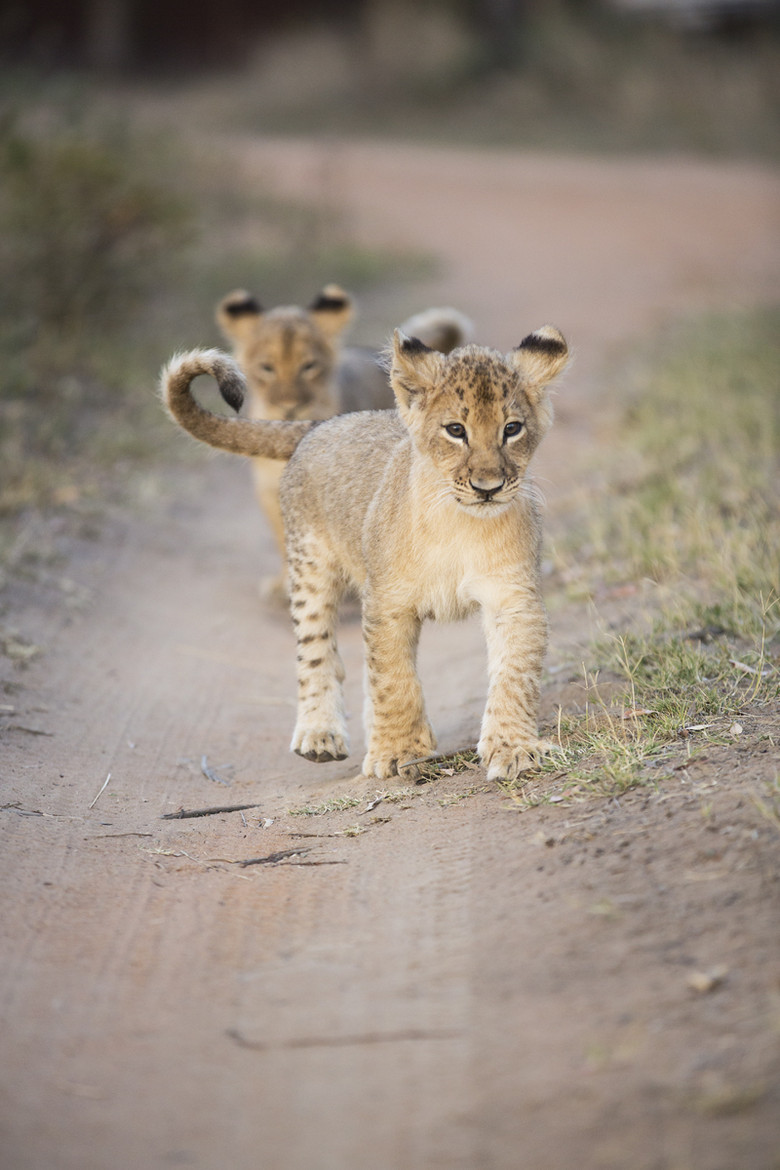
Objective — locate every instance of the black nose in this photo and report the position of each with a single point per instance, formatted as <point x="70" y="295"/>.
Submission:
<point x="486" y="488"/>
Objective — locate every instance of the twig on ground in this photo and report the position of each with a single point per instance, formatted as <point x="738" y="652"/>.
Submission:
<point x="301" y="864"/>
<point x="210" y="774"/>
<point x="102" y="790"/>
<point x="184" y="813"/>
<point x="101" y="836"/>
<point x="414" y="763"/>
<point x="271" y="858"/>
<point x="372" y="805"/>
<point x="402" y="1035"/>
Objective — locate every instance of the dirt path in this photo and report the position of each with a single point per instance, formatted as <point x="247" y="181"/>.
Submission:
<point x="456" y="985"/>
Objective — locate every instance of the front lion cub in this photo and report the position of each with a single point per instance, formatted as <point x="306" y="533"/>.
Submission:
<point x="427" y="511"/>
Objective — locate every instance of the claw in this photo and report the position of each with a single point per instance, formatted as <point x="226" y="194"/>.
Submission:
<point x="321" y="747"/>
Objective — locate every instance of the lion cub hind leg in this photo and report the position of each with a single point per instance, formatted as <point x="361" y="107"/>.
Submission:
<point x="316" y="587"/>
<point x="266" y="474"/>
<point x="397" y="727"/>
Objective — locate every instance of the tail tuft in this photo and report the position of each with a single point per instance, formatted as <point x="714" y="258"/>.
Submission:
<point x="442" y="329"/>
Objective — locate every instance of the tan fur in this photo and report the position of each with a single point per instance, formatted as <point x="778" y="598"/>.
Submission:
<point x="428" y="512"/>
<point x="296" y="368"/>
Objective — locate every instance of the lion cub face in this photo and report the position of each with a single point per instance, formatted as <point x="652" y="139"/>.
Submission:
<point x="476" y="415"/>
<point x="288" y="354"/>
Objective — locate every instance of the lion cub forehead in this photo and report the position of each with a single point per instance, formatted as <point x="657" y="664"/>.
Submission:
<point x="480" y="376"/>
<point x="285" y="332"/>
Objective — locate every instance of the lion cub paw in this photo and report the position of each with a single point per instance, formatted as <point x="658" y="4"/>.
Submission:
<point x="383" y="762"/>
<point x="505" y="761"/>
<point x="320" y="746"/>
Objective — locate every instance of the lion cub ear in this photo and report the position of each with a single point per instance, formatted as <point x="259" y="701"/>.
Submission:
<point x="237" y="314"/>
<point x="413" y="370"/>
<point x="332" y="310"/>
<point x="539" y="358"/>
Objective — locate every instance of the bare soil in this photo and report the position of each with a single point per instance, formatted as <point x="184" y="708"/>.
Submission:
<point x="437" y="980"/>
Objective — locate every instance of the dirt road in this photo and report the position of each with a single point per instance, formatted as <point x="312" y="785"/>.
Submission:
<point x="433" y="982"/>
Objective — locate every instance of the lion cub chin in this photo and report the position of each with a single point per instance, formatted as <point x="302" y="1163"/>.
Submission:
<point x="427" y="511"/>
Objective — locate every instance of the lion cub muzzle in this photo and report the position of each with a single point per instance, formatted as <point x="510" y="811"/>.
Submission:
<point x="486" y="489"/>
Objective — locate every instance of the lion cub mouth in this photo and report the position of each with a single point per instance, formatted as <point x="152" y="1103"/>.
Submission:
<point x="485" y="508"/>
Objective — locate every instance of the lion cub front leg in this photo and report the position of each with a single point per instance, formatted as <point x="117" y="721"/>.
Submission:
<point x="315" y="590"/>
<point x="516" y="639"/>
<point x="396" y="724"/>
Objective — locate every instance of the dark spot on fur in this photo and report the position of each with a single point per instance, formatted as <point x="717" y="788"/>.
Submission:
<point x="484" y="392"/>
<point x="243" y="308"/>
<point x="314" y="662"/>
<point x="550" y="345"/>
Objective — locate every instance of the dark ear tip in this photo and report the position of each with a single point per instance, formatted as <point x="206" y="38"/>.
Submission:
<point x="412" y="345"/>
<point x="241" y="306"/>
<point x="544" y="342"/>
<point x="329" y="303"/>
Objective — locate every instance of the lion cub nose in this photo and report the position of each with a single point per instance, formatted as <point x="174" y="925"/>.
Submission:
<point x="486" y="487"/>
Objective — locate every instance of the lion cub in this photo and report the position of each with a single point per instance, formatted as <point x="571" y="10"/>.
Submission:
<point x="296" y="368"/>
<point x="427" y="511"/>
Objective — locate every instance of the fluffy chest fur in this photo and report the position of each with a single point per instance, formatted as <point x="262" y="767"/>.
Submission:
<point x="442" y="561"/>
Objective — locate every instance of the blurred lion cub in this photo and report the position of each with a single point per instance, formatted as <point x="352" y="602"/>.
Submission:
<point x="427" y="511"/>
<point x="296" y="368"/>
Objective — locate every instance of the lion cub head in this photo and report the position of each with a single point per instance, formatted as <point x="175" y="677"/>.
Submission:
<point x="477" y="415"/>
<point x="288" y="354"/>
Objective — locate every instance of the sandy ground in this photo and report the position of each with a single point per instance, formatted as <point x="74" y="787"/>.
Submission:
<point x="457" y="984"/>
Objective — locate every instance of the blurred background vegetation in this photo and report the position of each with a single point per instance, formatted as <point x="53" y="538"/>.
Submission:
<point x="117" y="236"/>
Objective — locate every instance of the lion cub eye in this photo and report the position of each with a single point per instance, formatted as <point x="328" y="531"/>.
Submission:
<point x="456" y="430"/>
<point x="309" y="367"/>
<point x="513" y="428"/>
<point x="266" y="368"/>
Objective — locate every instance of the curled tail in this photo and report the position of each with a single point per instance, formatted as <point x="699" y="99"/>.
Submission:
<point x="273" y="439"/>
